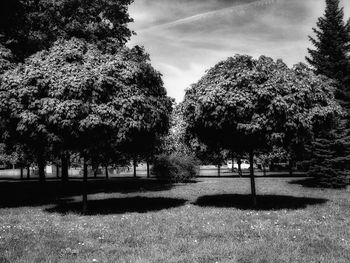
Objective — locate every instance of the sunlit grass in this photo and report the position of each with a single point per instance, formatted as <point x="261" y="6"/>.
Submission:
<point x="198" y="222"/>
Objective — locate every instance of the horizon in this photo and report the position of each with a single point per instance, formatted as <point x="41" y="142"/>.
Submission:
<point x="187" y="37"/>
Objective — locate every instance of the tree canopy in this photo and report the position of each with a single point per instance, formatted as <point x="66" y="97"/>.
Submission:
<point x="244" y="104"/>
<point x="332" y="46"/>
<point x="256" y="104"/>
<point x="76" y="98"/>
<point x="29" y="26"/>
<point x="6" y="59"/>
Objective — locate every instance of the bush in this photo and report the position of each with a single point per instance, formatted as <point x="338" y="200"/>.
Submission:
<point x="175" y="168"/>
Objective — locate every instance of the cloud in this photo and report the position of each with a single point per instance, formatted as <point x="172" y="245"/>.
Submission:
<point x="238" y="9"/>
<point x="186" y="37"/>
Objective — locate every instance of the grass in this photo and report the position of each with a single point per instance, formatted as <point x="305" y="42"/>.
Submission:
<point x="144" y="221"/>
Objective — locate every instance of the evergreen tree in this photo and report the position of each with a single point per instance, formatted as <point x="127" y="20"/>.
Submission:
<point x="329" y="162"/>
<point x="330" y="153"/>
<point x="332" y="43"/>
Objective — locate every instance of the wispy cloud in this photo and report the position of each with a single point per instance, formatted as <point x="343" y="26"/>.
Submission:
<point x="186" y="37"/>
<point x="237" y="9"/>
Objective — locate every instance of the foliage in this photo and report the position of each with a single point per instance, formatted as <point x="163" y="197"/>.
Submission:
<point x="329" y="155"/>
<point x="175" y="168"/>
<point x="29" y="26"/>
<point x="328" y="177"/>
<point x="6" y="59"/>
<point x="246" y="104"/>
<point x="208" y="154"/>
<point x="329" y="160"/>
<point x="332" y="43"/>
<point x="75" y="98"/>
<point x="174" y="141"/>
<point x="276" y="154"/>
<point x="6" y="158"/>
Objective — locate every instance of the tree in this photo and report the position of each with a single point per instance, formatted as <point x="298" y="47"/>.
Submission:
<point x="330" y="153"/>
<point x="75" y="98"/>
<point x="332" y="43"/>
<point x="30" y="26"/>
<point x="249" y="105"/>
<point x="329" y="158"/>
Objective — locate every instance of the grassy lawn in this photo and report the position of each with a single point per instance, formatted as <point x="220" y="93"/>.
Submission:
<point x="144" y="221"/>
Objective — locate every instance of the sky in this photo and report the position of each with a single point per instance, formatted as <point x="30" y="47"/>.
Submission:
<point x="187" y="37"/>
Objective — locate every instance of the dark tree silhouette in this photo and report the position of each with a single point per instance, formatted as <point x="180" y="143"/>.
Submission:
<point x="30" y="26"/>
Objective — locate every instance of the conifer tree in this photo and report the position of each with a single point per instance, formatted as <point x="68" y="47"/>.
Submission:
<point x="332" y="43"/>
<point x="329" y="162"/>
<point x="330" y="153"/>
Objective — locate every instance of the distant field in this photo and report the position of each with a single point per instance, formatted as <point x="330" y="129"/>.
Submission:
<point x="145" y="221"/>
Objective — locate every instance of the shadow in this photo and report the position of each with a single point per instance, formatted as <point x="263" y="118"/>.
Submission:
<point x="247" y="175"/>
<point x="118" y="205"/>
<point x="34" y="193"/>
<point x="264" y="202"/>
<point x="307" y="182"/>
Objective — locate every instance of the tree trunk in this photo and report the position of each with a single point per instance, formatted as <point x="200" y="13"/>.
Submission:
<point x="21" y="172"/>
<point x="290" y="167"/>
<point x="233" y="160"/>
<point x="28" y="172"/>
<point x="95" y="172"/>
<point x="106" y="169"/>
<point x="57" y="171"/>
<point x="85" y="190"/>
<point x="41" y="167"/>
<point x="148" y="175"/>
<point x="252" y="178"/>
<point x="64" y="172"/>
<point x="239" y="162"/>
<point x="219" y="170"/>
<point x="264" y="170"/>
<point x="135" y="167"/>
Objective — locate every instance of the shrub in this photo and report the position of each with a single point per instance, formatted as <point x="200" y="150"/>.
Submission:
<point x="175" y="168"/>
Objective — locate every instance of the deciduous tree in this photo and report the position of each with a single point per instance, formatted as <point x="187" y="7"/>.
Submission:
<point x="30" y="26"/>
<point x="75" y="98"/>
<point x="249" y="105"/>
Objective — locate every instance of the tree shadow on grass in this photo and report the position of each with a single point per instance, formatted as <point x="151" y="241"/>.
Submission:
<point x="309" y="182"/>
<point x="264" y="202"/>
<point x="119" y="205"/>
<point x="32" y="193"/>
